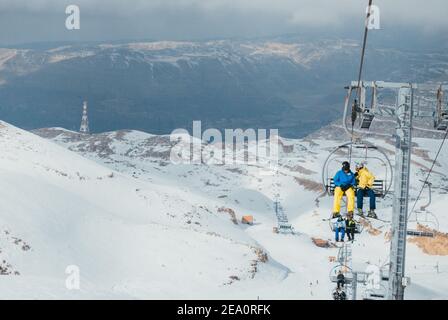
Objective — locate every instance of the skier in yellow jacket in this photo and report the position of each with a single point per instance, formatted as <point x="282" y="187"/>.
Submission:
<point x="365" y="181"/>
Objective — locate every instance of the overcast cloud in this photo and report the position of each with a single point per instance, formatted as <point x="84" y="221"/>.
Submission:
<point x="44" y="20"/>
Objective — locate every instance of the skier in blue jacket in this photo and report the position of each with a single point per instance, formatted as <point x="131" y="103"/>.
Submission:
<point x="344" y="182"/>
<point x="339" y="227"/>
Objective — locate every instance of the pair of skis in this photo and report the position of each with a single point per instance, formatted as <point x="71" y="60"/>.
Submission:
<point x="363" y="217"/>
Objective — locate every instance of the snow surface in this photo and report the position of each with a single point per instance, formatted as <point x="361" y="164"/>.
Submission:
<point x="141" y="227"/>
<point x="130" y="238"/>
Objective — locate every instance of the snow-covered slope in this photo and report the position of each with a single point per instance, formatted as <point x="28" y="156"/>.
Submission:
<point x="247" y="190"/>
<point x="130" y="238"/>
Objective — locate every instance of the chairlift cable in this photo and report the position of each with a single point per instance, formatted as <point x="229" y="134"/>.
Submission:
<point x="364" y="43"/>
<point x="361" y="65"/>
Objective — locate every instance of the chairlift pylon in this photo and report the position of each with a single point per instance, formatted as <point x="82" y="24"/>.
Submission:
<point x="346" y="271"/>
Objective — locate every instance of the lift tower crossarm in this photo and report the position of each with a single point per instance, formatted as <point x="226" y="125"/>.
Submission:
<point x="399" y="85"/>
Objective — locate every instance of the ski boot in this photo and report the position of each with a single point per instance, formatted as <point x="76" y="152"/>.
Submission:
<point x="335" y="215"/>
<point x="372" y="214"/>
<point x="360" y="213"/>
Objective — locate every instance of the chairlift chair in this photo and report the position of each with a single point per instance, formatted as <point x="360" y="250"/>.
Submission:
<point x="337" y="297"/>
<point x="441" y="122"/>
<point x="370" y="153"/>
<point x="417" y="233"/>
<point x="367" y="113"/>
<point x="378" y="187"/>
<point x="346" y="271"/>
<point x="425" y="219"/>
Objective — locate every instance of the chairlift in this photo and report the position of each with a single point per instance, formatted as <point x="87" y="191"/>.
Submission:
<point x="441" y="121"/>
<point x="359" y="227"/>
<point x="418" y="233"/>
<point x="428" y="221"/>
<point x="346" y="271"/>
<point x="341" y="295"/>
<point x="424" y="219"/>
<point x="364" y="152"/>
<point x="366" y="112"/>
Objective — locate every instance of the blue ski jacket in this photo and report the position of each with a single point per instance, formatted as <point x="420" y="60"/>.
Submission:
<point x="342" y="178"/>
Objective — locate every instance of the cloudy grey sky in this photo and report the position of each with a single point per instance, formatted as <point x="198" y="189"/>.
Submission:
<point x="44" y="20"/>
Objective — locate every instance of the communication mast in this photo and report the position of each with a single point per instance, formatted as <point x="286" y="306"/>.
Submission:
<point x="84" y="120"/>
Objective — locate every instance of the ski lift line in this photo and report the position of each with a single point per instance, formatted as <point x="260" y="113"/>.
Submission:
<point x="361" y="65"/>
<point x="283" y="225"/>
<point x="429" y="173"/>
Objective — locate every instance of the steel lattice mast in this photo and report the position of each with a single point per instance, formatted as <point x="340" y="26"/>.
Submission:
<point x="403" y="146"/>
<point x="84" y="120"/>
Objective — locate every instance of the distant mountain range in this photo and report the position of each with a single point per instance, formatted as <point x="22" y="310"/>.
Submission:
<point x="288" y="83"/>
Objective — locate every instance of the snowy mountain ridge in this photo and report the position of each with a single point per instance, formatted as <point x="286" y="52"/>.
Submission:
<point x="286" y="82"/>
<point x="178" y="51"/>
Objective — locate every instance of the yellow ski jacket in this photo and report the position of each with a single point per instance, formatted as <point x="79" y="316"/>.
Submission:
<point x="365" y="178"/>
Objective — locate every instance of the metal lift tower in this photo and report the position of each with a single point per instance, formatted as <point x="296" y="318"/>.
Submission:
<point x="404" y="114"/>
